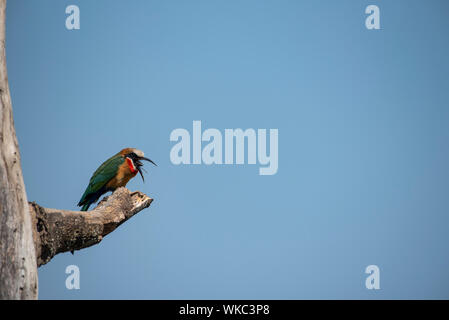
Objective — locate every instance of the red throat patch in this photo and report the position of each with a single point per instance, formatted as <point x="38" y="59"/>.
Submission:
<point x="131" y="165"/>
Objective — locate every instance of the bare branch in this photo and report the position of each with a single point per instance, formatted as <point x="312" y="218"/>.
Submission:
<point x="59" y="231"/>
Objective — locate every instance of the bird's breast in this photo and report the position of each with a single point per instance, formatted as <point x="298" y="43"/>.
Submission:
<point x="125" y="172"/>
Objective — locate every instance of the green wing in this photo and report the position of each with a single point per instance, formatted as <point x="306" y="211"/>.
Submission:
<point x="102" y="175"/>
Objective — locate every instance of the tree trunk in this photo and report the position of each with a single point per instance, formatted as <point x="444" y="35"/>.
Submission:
<point x="18" y="267"/>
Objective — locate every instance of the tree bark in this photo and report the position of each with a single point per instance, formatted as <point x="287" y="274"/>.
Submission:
<point x="18" y="271"/>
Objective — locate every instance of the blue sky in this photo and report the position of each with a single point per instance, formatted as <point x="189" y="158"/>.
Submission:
<point x="363" y="130"/>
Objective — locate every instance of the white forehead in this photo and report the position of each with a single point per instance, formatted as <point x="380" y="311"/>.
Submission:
<point x="138" y="152"/>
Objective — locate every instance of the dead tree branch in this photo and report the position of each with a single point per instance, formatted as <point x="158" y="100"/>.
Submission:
<point x="56" y="231"/>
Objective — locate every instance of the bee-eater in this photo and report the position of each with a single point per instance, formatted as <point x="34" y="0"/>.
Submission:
<point x="112" y="174"/>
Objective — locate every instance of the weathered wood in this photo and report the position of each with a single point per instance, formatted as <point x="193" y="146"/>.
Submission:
<point x="59" y="231"/>
<point x="18" y="271"/>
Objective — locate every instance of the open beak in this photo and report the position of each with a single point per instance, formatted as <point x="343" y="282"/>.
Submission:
<point x="149" y="160"/>
<point x="140" y="164"/>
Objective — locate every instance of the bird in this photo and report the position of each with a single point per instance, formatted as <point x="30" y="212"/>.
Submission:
<point x="112" y="174"/>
